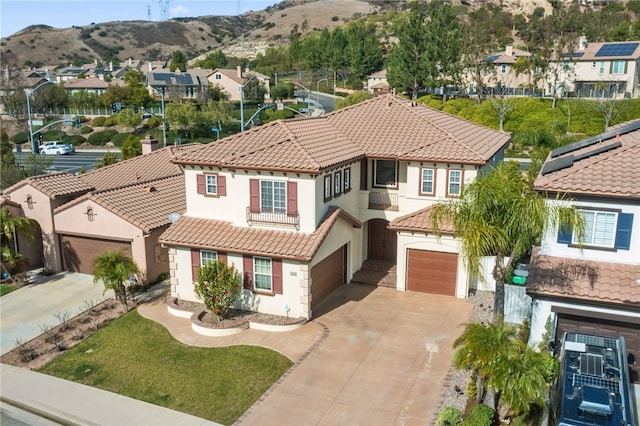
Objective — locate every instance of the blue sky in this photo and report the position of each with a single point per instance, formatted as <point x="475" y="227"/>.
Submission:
<point x="18" y="14"/>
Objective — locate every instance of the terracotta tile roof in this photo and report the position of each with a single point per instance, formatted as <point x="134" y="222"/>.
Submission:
<point x="155" y="165"/>
<point x="602" y="168"/>
<point x="86" y="83"/>
<point x="4" y="201"/>
<point x="608" y="282"/>
<point x="54" y="185"/>
<point x="419" y="221"/>
<point x="224" y="236"/>
<point x="146" y="205"/>
<point x="392" y="127"/>
<point x="305" y="145"/>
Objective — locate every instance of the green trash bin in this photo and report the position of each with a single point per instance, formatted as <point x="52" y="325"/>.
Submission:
<point x="518" y="280"/>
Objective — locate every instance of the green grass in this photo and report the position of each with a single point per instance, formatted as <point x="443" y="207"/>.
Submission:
<point x="6" y="288"/>
<point x="138" y="358"/>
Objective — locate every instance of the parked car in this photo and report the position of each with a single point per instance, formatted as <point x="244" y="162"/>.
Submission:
<point x="56" y="148"/>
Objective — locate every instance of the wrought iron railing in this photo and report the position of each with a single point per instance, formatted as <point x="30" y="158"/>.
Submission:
<point x="275" y="218"/>
<point x="383" y="201"/>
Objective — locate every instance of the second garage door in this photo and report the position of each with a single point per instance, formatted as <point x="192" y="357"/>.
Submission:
<point x="432" y="271"/>
<point x="78" y="252"/>
<point x="328" y="275"/>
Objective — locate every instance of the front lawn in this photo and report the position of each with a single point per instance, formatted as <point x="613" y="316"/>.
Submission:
<point x="137" y="357"/>
<point x="6" y="288"/>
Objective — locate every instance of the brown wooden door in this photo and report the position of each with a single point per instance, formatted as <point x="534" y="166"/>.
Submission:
<point x="329" y="274"/>
<point x="382" y="241"/>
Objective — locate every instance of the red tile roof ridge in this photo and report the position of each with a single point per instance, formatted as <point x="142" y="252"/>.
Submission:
<point x="420" y="221"/>
<point x="41" y="183"/>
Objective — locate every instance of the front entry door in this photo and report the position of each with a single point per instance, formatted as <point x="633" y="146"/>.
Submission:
<point x="382" y="241"/>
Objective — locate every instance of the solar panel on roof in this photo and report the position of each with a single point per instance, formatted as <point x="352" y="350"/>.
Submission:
<point x="617" y="49"/>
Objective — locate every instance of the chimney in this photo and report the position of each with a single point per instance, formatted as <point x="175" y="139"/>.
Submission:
<point x="239" y="71"/>
<point x="582" y="44"/>
<point x="509" y="50"/>
<point x="150" y="67"/>
<point x="149" y="145"/>
<point x="130" y="61"/>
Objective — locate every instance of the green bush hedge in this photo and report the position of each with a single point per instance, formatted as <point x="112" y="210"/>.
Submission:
<point x="449" y="416"/>
<point x="119" y="139"/>
<point x="74" y="140"/>
<point x="20" y="138"/>
<point x="101" y="138"/>
<point x="480" y="415"/>
<point x="86" y="129"/>
<point x="99" y="121"/>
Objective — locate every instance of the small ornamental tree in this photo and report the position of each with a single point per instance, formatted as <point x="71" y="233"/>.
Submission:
<point x="218" y="286"/>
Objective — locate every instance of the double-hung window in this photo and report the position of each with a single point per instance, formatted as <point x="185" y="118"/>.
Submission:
<point x="262" y="280"/>
<point x="212" y="184"/>
<point x="386" y="173"/>
<point x="427" y="181"/>
<point x="599" y="229"/>
<point x="337" y="183"/>
<point x="601" y="67"/>
<point x="207" y="256"/>
<point x="327" y="187"/>
<point x="347" y="179"/>
<point x="503" y="69"/>
<point x="454" y="184"/>
<point x="273" y="196"/>
<point x="617" y="67"/>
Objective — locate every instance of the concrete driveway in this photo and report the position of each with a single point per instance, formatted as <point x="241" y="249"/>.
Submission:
<point x="24" y="310"/>
<point x="383" y="360"/>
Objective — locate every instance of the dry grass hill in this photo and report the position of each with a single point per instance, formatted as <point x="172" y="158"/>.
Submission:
<point x="241" y="36"/>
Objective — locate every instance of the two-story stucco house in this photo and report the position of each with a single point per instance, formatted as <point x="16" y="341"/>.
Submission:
<point x="299" y="205"/>
<point x="230" y="81"/>
<point x="592" y="285"/>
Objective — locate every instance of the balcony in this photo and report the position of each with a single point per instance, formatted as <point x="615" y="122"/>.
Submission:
<point x="273" y="218"/>
<point x="383" y="201"/>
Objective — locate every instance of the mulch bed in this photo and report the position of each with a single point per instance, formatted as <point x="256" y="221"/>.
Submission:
<point x="236" y="317"/>
<point x="54" y="341"/>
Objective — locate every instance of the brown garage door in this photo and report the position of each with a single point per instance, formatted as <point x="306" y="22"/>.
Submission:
<point x="78" y="252"/>
<point x="607" y="327"/>
<point x="432" y="271"/>
<point x="328" y="275"/>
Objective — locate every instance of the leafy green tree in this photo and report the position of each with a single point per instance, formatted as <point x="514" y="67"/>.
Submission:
<point x="10" y="227"/>
<point x="9" y="172"/>
<point x="352" y="99"/>
<point x="218" y="287"/>
<point x="131" y="147"/>
<point x="107" y="159"/>
<point x="500" y="214"/>
<point x="114" y="269"/>
<point x="182" y="116"/>
<point x="213" y="60"/>
<point x="362" y="52"/>
<point x="407" y="64"/>
<point x="178" y="61"/>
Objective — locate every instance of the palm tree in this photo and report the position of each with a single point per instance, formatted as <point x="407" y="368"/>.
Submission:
<point x="482" y="348"/>
<point x="500" y="214"/>
<point x="114" y="269"/>
<point x="10" y="227"/>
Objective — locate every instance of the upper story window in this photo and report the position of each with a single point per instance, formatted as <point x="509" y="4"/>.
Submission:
<point x="601" y="67"/>
<point x="427" y="181"/>
<point x="218" y="76"/>
<point x="346" y="179"/>
<point x="337" y="183"/>
<point x="385" y="173"/>
<point x="617" y="67"/>
<point x="605" y="229"/>
<point x="327" y="187"/>
<point x="454" y="184"/>
<point x="207" y="256"/>
<point x="503" y="69"/>
<point x="594" y="64"/>
<point x="273" y="196"/>
<point x="211" y="184"/>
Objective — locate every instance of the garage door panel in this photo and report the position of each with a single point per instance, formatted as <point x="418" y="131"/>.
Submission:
<point x="432" y="272"/>
<point x="605" y="328"/>
<point x="79" y="252"/>
<point x="327" y="275"/>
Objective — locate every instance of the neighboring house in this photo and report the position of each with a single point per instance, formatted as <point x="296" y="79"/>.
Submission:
<point x="230" y="81"/>
<point x="69" y="73"/>
<point x="176" y="85"/>
<point x="504" y="78"/>
<point x="592" y="287"/>
<point x="299" y="205"/>
<point x="92" y="85"/>
<point x="123" y="206"/>
<point x="608" y="70"/>
<point x="377" y="83"/>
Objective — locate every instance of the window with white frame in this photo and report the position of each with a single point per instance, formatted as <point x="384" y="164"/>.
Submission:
<point x="211" y="184"/>
<point x="386" y="173"/>
<point x="594" y="64"/>
<point x="454" y="184"/>
<point x="337" y="183"/>
<point x="599" y="228"/>
<point x="601" y="67"/>
<point x="262" y="278"/>
<point x="327" y="187"/>
<point x="207" y="256"/>
<point x="503" y="69"/>
<point x="273" y="196"/>
<point x="427" y="181"/>
<point x="347" y="179"/>
<point x="617" y="67"/>
<point x="218" y="76"/>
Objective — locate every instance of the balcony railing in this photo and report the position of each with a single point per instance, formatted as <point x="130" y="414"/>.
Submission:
<point x="383" y="201"/>
<point x="273" y="218"/>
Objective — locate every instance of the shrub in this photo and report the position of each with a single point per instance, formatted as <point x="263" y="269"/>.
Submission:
<point x="154" y="122"/>
<point x="449" y="416"/>
<point x="111" y="121"/>
<point x="20" y="138"/>
<point x="99" y="121"/>
<point x="74" y="139"/>
<point x="101" y="138"/>
<point x="480" y="415"/>
<point x="119" y="138"/>
<point x="86" y="129"/>
<point x="218" y="286"/>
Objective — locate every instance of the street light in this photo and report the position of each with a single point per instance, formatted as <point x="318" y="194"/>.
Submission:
<point x="308" y="96"/>
<point x="318" y="88"/>
<point x="28" y="95"/>
<point x="334" y="81"/>
<point x="241" y="91"/>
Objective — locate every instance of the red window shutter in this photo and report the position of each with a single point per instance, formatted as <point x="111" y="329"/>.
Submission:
<point x="292" y="198"/>
<point x="247" y="266"/>
<point x="254" y="196"/>
<point x="222" y="257"/>
<point x="222" y="185"/>
<point x="195" y="264"/>
<point x="201" y="184"/>
<point x="276" y="275"/>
